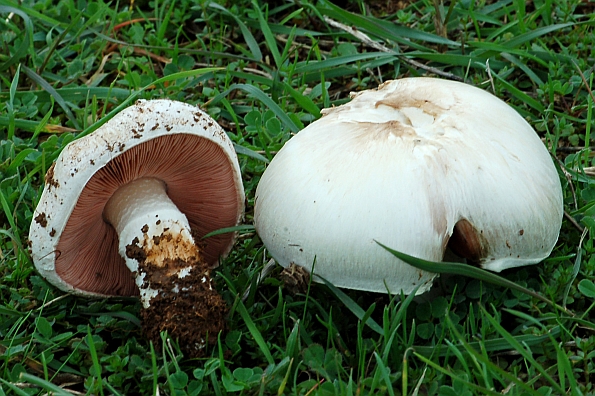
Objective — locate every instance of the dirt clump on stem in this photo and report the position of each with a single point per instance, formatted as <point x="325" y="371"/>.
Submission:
<point x="188" y="308"/>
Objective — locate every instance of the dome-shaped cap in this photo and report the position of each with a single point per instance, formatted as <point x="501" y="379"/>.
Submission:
<point x="415" y="164"/>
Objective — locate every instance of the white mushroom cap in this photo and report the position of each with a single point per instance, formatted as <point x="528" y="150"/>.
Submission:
<point x="414" y="164"/>
<point x="71" y="243"/>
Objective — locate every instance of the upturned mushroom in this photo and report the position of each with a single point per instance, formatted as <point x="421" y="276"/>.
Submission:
<point x="124" y="209"/>
<point x="419" y="165"/>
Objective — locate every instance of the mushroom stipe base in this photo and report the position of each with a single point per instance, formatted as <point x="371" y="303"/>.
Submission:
<point x="188" y="308"/>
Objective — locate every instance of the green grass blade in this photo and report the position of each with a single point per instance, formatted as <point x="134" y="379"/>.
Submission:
<point x="59" y="99"/>
<point x="111" y="388"/>
<point x="117" y="314"/>
<point x="480" y="389"/>
<point x="135" y="94"/>
<point x="248" y="37"/>
<point x="32" y="126"/>
<point x="521" y="349"/>
<point x="532" y="35"/>
<point x="305" y="102"/>
<point x="76" y="94"/>
<point x="16" y="161"/>
<point x="564" y="368"/>
<point x="43" y="124"/>
<point x="466" y="270"/>
<point x="451" y="59"/>
<point x="27" y="42"/>
<point x="575" y="268"/>
<point x="386" y="30"/>
<point x="5" y="310"/>
<point x="268" y="35"/>
<point x="95" y="359"/>
<point x="8" y="212"/>
<point x="380" y="366"/>
<point x="227" y="230"/>
<point x="254" y="331"/>
<point x="525" y="68"/>
<point x="43" y="384"/>
<point x="49" y="21"/>
<point x="317" y="66"/>
<point x="10" y="105"/>
<point x="241" y="150"/>
<point x="258" y="94"/>
<point x="396" y="321"/>
<point x="481" y="358"/>
<point x="154" y="369"/>
<point x="18" y="391"/>
<point x="352" y="306"/>
<point x="491" y="345"/>
<point x="164" y="20"/>
<point x="520" y="94"/>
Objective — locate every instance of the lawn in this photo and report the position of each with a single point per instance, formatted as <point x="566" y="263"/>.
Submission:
<point x="265" y="71"/>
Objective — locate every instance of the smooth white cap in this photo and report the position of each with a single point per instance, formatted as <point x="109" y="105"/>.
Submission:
<point x="402" y="165"/>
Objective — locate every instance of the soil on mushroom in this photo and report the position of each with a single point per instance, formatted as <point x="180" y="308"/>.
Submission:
<point x="194" y="315"/>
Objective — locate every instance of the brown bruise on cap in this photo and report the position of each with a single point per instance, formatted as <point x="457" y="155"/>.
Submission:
<point x="399" y="102"/>
<point x="200" y="181"/>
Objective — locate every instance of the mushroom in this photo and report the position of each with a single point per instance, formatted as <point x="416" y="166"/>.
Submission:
<point x="419" y="165"/>
<point x="124" y="209"/>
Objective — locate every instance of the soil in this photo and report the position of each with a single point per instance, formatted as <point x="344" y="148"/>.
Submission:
<point x="41" y="219"/>
<point x="194" y="315"/>
<point x="295" y="279"/>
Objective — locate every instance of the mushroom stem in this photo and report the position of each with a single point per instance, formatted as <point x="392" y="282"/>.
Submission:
<point x="156" y="243"/>
<point x="153" y="234"/>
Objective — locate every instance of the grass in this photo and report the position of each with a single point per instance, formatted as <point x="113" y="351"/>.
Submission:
<point x="264" y="72"/>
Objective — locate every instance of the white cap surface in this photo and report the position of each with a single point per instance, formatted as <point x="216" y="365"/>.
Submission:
<point x="403" y="165"/>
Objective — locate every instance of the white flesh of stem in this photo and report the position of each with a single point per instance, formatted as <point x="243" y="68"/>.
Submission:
<point x="141" y="211"/>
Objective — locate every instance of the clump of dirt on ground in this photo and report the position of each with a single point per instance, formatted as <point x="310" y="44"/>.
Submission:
<point x="188" y="308"/>
<point x="296" y="279"/>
